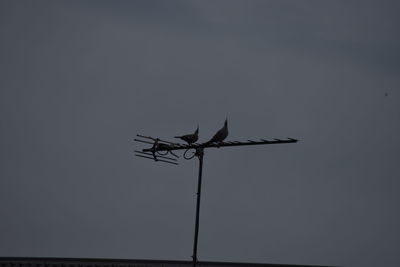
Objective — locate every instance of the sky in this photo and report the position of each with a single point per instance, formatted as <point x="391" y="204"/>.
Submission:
<point x="79" y="79"/>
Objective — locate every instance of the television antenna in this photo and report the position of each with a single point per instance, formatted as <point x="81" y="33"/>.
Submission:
<point x="164" y="151"/>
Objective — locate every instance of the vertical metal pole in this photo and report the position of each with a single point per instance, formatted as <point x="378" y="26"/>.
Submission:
<point x="199" y="154"/>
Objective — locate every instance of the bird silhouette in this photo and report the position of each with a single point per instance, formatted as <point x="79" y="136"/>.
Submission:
<point x="190" y="138"/>
<point x="220" y="135"/>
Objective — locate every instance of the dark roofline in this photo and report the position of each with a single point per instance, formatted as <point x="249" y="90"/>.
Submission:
<point x="37" y="260"/>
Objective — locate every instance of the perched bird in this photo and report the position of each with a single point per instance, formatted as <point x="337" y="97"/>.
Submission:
<point x="190" y="138"/>
<point x="220" y="135"/>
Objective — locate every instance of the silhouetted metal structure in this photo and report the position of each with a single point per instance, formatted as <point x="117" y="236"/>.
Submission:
<point x="162" y="150"/>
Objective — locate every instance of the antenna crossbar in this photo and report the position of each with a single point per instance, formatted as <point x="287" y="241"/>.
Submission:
<point x="172" y="146"/>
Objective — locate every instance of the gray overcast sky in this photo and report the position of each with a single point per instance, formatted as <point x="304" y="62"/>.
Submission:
<point x="79" y="79"/>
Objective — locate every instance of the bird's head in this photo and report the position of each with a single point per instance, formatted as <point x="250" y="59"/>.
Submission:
<point x="197" y="130"/>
